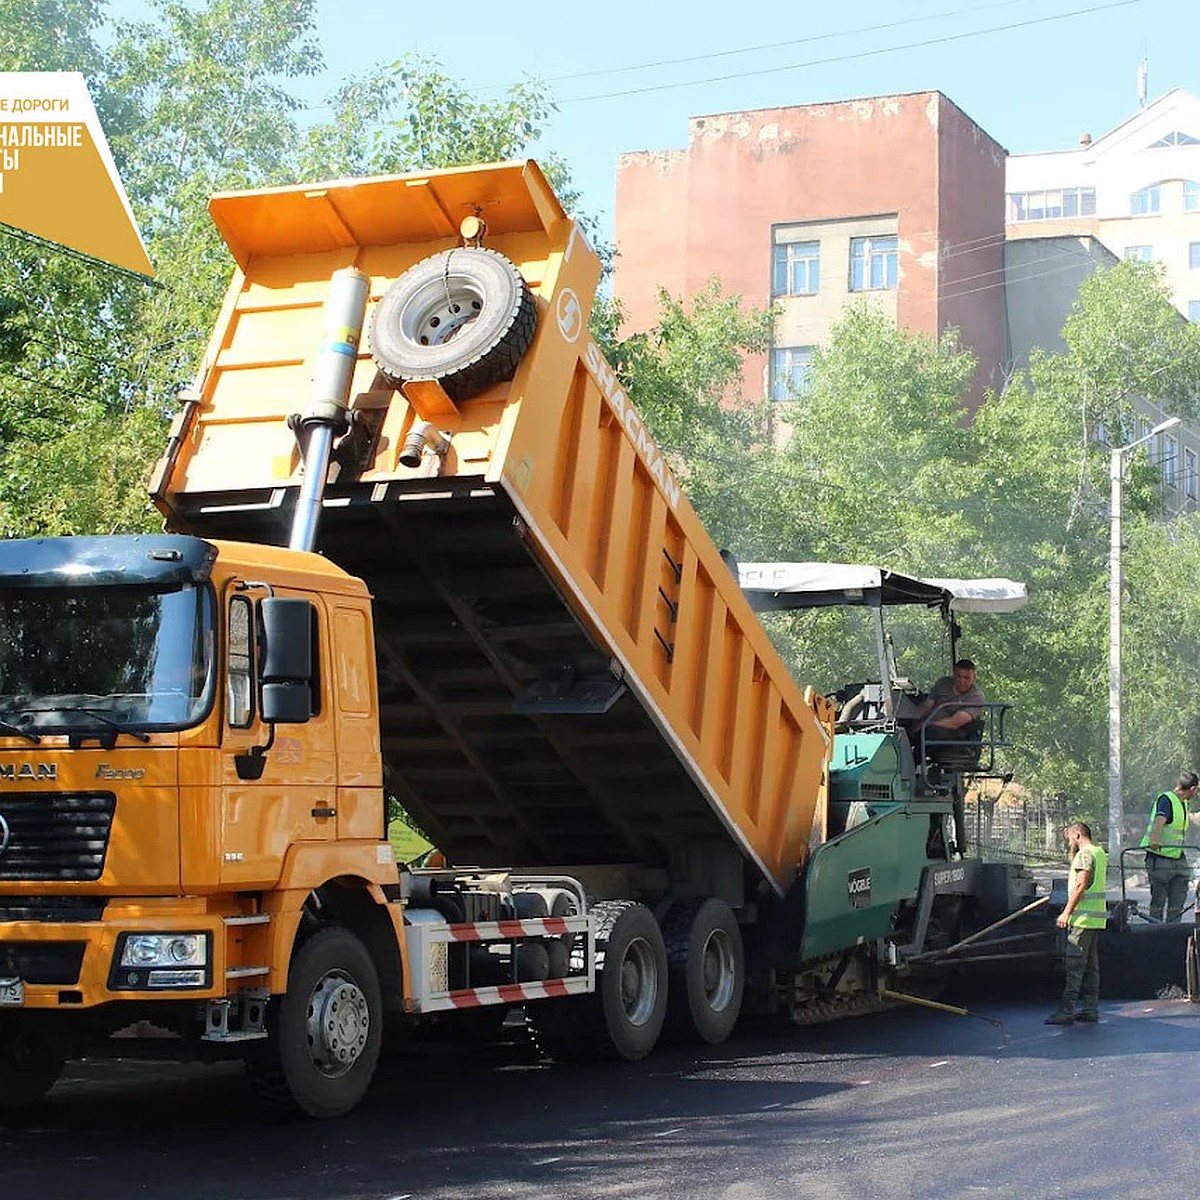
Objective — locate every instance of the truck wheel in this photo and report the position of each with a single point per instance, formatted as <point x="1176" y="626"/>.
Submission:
<point x="706" y="969"/>
<point x="623" y="1017"/>
<point x="633" y="981"/>
<point x="29" y="1067"/>
<point x="464" y="317"/>
<point x="325" y="1031"/>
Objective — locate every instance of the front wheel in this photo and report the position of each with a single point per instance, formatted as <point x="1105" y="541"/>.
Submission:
<point x="327" y="1029"/>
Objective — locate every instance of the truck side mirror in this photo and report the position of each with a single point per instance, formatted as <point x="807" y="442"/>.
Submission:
<point x="287" y="669"/>
<point x="285" y="673"/>
<point x="287" y="625"/>
<point x="287" y="703"/>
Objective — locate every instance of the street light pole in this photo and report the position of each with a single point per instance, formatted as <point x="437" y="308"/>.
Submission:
<point x="1116" y="473"/>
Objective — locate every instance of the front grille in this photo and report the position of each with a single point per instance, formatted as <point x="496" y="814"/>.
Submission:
<point x="51" y="908"/>
<point x="42" y="962"/>
<point x="55" y="835"/>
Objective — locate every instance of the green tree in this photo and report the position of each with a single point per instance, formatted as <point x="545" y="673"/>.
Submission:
<point x="880" y="435"/>
<point x="50" y="35"/>
<point x="197" y="98"/>
<point x="890" y="472"/>
<point x="1125" y="341"/>
<point x="211" y="105"/>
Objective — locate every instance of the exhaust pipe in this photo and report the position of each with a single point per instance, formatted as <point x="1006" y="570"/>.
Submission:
<point x="422" y="434"/>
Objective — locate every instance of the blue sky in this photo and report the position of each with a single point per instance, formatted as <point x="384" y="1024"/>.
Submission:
<point x="1035" y="86"/>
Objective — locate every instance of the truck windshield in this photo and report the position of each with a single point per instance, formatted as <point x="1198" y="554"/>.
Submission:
<point x="96" y="657"/>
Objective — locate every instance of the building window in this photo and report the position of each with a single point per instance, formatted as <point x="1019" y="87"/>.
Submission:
<point x="1052" y="205"/>
<point x="797" y="269"/>
<point x="1194" y="311"/>
<point x="1139" y="253"/>
<point x="1191" y="196"/>
<point x="1170" y="455"/>
<point x="791" y="372"/>
<point x="1175" y="138"/>
<point x="1194" y="256"/>
<point x="1145" y="202"/>
<point x="1189" y="474"/>
<point x="874" y="263"/>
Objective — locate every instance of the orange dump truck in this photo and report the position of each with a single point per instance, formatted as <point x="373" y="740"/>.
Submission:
<point x="420" y="550"/>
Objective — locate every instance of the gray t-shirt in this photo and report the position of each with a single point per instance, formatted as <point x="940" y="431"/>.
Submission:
<point x="943" y="692"/>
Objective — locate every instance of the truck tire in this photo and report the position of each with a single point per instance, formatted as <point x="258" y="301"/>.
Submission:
<point x="29" y="1067"/>
<point x="623" y="1017"/>
<point x="705" y="968"/>
<point x="464" y="317"/>
<point x="325" y="1031"/>
<point x="1193" y="970"/>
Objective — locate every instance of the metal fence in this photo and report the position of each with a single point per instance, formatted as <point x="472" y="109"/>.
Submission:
<point x="1017" y="828"/>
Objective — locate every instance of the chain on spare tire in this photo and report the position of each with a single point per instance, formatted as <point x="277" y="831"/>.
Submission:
<point x="464" y="317"/>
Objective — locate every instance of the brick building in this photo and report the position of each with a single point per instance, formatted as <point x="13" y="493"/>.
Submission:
<point x="895" y="199"/>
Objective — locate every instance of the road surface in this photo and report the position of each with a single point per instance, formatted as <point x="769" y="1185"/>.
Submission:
<point x="911" y="1103"/>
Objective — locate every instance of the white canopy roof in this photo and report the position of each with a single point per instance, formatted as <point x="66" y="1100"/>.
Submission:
<point x="810" y="585"/>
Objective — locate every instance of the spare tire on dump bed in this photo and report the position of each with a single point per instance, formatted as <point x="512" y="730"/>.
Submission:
<point x="464" y="317"/>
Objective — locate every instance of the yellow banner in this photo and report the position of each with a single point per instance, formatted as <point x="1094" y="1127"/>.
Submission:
<point x="57" y="176"/>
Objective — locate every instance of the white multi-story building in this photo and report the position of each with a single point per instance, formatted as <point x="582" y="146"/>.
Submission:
<point x="1136" y="190"/>
<point x="1133" y="193"/>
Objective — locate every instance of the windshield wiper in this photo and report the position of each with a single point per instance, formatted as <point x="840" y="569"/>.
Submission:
<point x="25" y="733"/>
<point x="119" y="726"/>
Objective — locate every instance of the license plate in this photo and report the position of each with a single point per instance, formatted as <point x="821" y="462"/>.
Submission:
<point x="12" y="992"/>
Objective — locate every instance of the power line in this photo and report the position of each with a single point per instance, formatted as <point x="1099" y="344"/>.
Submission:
<point x="818" y="37"/>
<point x="850" y="57"/>
<point x="87" y="259"/>
<point x="1007" y="282"/>
<point x="945" y="292"/>
<point x="48" y="386"/>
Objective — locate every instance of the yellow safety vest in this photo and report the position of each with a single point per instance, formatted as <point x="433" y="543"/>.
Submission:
<point x="1092" y="911"/>
<point x="1174" y="832"/>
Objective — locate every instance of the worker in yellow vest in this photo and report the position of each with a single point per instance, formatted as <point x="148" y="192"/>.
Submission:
<point x="1166" y="833"/>
<point x="1083" y="917"/>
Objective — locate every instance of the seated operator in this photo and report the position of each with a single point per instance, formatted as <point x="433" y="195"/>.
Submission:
<point x="953" y="711"/>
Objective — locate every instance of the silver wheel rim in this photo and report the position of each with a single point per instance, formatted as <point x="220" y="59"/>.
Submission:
<point x="639" y="982"/>
<point x="718" y="970"/>
<point x="339" y="1023"/>
<point x="440" y="309"/>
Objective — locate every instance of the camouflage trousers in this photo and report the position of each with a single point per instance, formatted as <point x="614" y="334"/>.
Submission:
<point x="1082" y="985"/>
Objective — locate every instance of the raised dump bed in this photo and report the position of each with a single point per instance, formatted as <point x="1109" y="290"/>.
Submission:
<point x="569" y="673"/>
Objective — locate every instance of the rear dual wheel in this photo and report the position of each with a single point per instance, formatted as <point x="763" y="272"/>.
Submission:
<point x="707" y="971"/>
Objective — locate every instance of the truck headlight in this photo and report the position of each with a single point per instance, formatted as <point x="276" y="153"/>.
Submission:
<point x="164" y="950"/>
